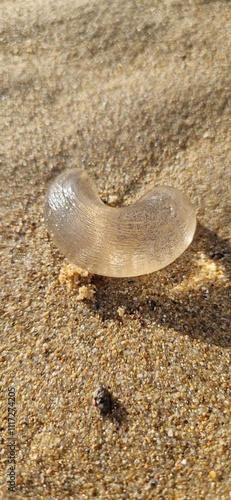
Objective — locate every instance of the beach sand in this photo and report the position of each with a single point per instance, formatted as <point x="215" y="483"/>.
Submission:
<point x="136" y="94"/>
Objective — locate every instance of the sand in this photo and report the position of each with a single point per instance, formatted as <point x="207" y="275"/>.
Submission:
<point x="135" y="93"/>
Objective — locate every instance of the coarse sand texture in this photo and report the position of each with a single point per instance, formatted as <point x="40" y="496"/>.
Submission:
<point x="115" y="388"/>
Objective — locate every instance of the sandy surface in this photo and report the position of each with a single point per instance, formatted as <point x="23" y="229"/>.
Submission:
<point x="135" y="93"/>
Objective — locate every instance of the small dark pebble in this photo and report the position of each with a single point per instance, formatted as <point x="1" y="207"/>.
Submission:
<point x="103" y="400"/>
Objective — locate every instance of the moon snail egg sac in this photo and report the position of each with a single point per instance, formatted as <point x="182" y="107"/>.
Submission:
<point x="118" y="242"/>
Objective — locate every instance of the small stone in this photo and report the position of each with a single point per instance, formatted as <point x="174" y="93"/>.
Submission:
<point x="121" y="312"/>
<point x="103" y="400"/>
<point x="213" y="474"/>
<point x="113" y="198"/>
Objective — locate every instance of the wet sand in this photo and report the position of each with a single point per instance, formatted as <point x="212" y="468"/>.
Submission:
<point x="135" y="93"/>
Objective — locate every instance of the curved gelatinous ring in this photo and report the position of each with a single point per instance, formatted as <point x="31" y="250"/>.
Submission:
<point x="127" y="241"/>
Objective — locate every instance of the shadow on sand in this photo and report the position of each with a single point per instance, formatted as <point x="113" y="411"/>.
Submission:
<point x="203" y="313"/>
